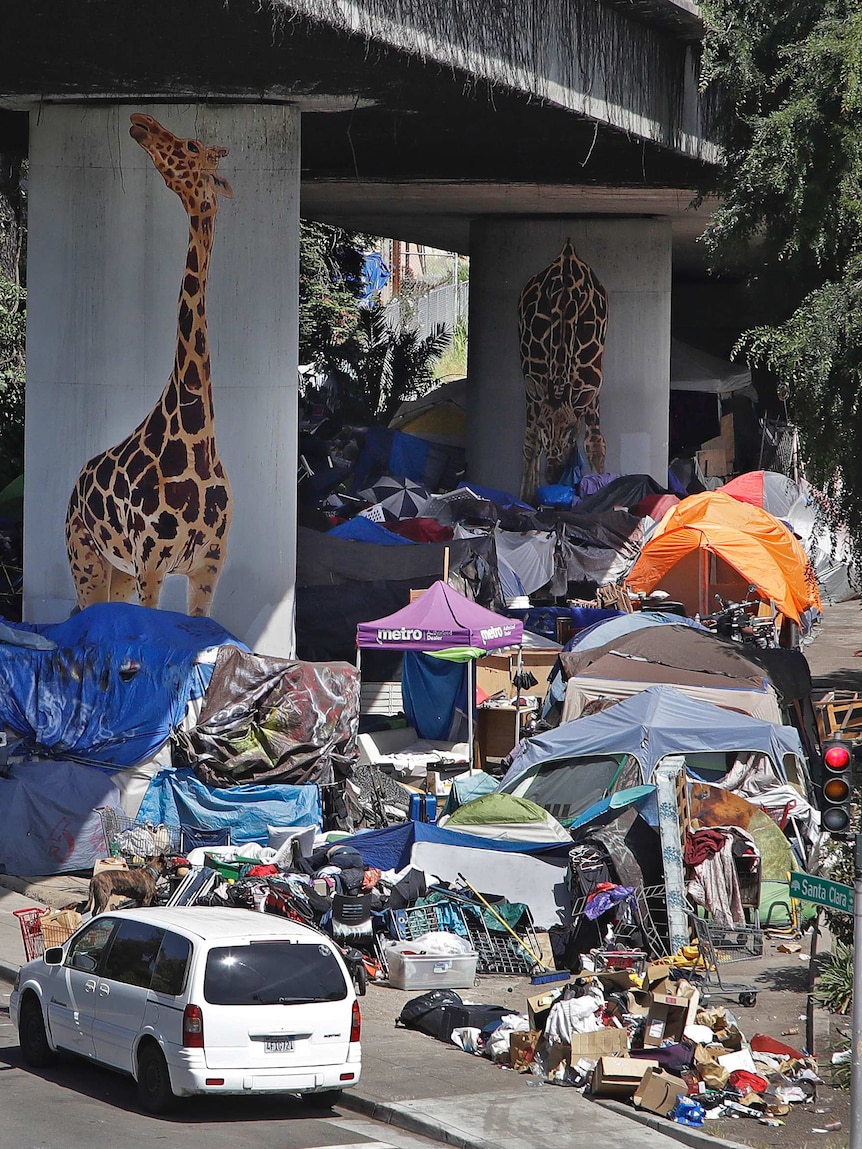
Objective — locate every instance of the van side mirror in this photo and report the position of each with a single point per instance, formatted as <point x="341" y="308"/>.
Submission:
<point x="53" y="956"/>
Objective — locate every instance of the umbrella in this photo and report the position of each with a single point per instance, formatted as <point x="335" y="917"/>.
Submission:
<point x="394" y="499"/>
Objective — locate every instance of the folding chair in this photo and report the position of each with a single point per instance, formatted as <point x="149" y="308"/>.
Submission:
<point x="193" y="837"/>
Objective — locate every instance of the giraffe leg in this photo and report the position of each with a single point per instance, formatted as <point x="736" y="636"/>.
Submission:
<point x="202" y="581"/>
<point x="91" y="571"/>
<point x="594" y="445"/>
<point x="532" y="449"/>
<point x="123" y="586"/>
<point x="148" y="582"/>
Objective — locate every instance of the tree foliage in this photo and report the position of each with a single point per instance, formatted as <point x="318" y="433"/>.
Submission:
<point x="330" y="283"/>
<point x="378" y="367"/>
<point x="788" y="74"/>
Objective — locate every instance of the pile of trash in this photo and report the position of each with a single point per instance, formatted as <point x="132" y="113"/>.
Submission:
<point x="652" y="1038"/>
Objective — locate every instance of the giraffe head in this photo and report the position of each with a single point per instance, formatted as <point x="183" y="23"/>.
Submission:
<point x="187" y="166"/>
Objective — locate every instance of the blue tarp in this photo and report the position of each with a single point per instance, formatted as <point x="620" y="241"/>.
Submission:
<point x="178" y="798"/>
<point x="390" y="849"/>
<point x="432" y="688"/>
<point x="365" y="530"/>
<point x="117" y="683"/>
<point x="651" y="724"/>
<point x="48" y="818"/>
<point x="608" y="629"/>
<point x="493" y="495"/>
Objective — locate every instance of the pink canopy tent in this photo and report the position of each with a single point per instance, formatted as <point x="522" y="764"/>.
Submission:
<point x="441" y="619"/>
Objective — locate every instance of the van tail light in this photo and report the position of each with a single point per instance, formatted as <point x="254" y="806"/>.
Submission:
<point x="355" y="1022"/>
<point x="193" y="1027"/>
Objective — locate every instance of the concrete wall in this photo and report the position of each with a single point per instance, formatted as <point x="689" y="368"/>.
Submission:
<point x="632" y="259"/>
<point x="107" y="247"/>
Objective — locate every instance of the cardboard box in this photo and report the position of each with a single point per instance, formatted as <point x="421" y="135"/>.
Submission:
<point x="657" y="1092"/>
<point x="495" y="671"/>
<point x="619" y="1076"/>
<point x="605" y="1042"/>
<point x="102" y="864"/>
<point x="539" y="1006"/>
<point x="58" y="926"/>
<point x="522" y="1048"/>
<point x="669" y="1014"/>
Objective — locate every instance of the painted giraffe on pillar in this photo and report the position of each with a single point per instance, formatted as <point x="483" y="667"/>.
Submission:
<point x="563" y="317"/>
<point x="160" y="502"/>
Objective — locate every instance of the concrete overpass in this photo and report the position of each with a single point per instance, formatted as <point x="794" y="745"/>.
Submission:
<point x="496" y="130"/>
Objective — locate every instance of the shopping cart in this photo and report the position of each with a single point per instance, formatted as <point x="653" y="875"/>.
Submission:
<point x="721" y="946"/>
<point x="31" y="931"/>
<point x="136" y="841"/>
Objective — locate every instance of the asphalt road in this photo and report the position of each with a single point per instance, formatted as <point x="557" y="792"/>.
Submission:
<point x="76" y="1104"/>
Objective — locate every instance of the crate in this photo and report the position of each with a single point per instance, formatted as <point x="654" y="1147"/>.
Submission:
<point x="414" y="921"/>
<point x="431" y="971"/>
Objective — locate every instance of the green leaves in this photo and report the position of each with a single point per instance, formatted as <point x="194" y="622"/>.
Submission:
<point x="789" y="79"/>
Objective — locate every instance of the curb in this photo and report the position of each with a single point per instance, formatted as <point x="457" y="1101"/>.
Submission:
<point x="389" y="1113"/>
<point x="694" y="1138"/>
<point x="8" y="972"/>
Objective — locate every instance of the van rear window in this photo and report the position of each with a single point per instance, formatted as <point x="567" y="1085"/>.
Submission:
<point x="273" y="973"/>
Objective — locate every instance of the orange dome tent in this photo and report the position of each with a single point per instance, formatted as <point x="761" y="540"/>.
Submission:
<point x="712" y="544"/>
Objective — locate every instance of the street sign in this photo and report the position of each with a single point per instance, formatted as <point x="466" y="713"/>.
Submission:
<point x="820" y="890"/>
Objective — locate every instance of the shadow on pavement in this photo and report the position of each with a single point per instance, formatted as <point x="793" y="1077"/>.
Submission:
<point x="119" y="1091"/>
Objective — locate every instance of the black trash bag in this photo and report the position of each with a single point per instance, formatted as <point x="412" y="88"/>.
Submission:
<point x="426" y="1013"/>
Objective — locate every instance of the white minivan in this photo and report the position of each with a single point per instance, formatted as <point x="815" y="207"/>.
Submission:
<point x="196" y="1000"/>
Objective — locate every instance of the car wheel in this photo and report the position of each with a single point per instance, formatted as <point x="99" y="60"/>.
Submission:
<point x="154" y="1082"/>
<point x="32" y="1036"/>
<point x="323" y="1100"/>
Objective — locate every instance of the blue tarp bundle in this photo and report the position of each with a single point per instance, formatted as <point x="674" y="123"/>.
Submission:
<point x="178" y="798"/>
<point x="117" y="683"/>
<point x="365" y="530"/>
<point x="390" y="849"/>
<point x="48" y="817"/>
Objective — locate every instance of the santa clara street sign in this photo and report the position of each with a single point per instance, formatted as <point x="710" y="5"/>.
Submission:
<point x="820" y="890"/>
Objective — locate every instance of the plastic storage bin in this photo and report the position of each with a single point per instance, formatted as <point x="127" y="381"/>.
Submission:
<point x="431" y="971"/>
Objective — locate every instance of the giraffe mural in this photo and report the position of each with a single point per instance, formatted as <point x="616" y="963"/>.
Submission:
<point x="563" y="317"/>
<point x="160" y="501"/>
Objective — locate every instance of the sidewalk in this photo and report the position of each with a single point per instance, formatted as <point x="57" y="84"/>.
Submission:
<point x="426" y="1087"/>
<point x="416" y="1083"/>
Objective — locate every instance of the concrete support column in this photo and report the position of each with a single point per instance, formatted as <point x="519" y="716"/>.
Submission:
<point x="632" y="259"/>
<point x="107" y="250"/>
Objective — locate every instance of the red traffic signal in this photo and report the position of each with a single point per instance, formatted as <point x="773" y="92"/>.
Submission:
<point x="836" y="816"/>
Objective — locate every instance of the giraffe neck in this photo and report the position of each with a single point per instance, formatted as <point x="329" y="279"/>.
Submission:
<point x="189" y="388"/>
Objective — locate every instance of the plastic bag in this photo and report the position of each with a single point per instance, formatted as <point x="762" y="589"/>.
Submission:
<point x="437" y="942"/>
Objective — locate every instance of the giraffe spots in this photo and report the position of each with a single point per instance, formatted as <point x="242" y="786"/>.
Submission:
<point x="192" y="375"/>
<point x="96" y="504"/>
<point x="191" y="285"/>
<point x="174" y="458"/>
<point x="137" y="465"/>
<point x="194" y="416"/>
<point x="200" y="342"/>
<point x="192" y="260"/>
<point x="138" y="523"/>
<point x="154" y="432"/>
<point x="166" y="526"/>
<point x="185" y="320"/>
<point x="174" y="426"/>
<point x="147" y="491"/>
<point x="215" y="505"/>
<point x="103" y="473"/>
<point x="104" y="533"/>
<point x="148" y="548"/>
<point x="121" y="487"/>
<point x="184" y="497"/>
<point x="202" y="458"/>
<point x="164" y="554"/>
<point x="170" y="400"/>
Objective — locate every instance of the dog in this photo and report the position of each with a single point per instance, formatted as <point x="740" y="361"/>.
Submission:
<point x="138" y="884"/>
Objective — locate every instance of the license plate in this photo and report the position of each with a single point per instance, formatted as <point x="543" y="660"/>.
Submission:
<point x="278" y="1045"/>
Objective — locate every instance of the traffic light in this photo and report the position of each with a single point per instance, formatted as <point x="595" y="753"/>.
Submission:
<point x="837" y="785"/>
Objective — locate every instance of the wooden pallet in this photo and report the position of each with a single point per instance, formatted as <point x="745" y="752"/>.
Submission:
<point x="839" y="712"/>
